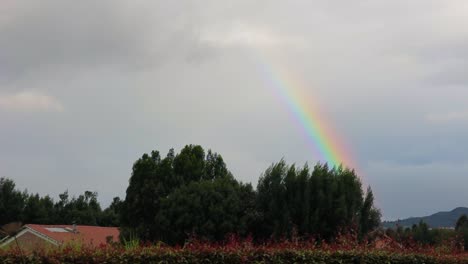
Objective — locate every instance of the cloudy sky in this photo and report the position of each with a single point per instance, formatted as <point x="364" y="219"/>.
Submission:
<point x="86" y="87"/>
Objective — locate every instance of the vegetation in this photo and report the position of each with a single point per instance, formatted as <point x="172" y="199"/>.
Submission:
<point x="11" y="202"/>
<point x="193" y="194"/>
<point x="344" y="250"/>
<point x="189" y="208"/>
<point x="462" y="229"/>
<point x="157" y="184"/>
<point x="31" y="208"/>
<point x="434" y="237"/>
<point x="297" y="201"/>
<point x="210" y="209"/>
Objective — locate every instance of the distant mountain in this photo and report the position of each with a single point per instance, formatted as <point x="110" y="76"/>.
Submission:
<point x="440" y="219"/>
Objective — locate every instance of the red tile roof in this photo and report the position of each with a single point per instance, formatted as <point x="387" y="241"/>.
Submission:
<point x="88" y="235"/>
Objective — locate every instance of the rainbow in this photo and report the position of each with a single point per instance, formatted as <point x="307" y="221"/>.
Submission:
<point x="315" y="126"/>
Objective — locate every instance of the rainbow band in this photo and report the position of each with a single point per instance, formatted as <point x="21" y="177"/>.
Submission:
<point x="318" y="133"/>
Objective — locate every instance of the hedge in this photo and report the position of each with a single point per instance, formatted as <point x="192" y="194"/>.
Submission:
<point x="171" y="255"/>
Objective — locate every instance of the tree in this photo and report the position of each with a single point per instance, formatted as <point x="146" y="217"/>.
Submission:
<point x="189" y="164"/>
<point x="60" y="208"/>
<point x="271" y="202"/>
<point x="84" y="209"/>
<point x="369" y="216"/>
<point x="321" y="202"/>
<point x="154" y="179"/>
<point x="39" y="210"/>
<point x="142" y="200"/>
<point x="111" y="215"/>
<point x="215" y="166"/>
<point x="34" y="209"/>
<point x="461" y="222"/>
<point x="422" y="234"/>
<point x="12" y="202"/>
<point x="207" y="209"/>
<point x="462" y="229"/>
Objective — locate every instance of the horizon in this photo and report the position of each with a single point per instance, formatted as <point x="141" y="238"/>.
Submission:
<point x="86" y="88"/>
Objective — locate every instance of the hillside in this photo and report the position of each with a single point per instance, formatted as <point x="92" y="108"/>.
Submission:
<point x="440" y="219"/>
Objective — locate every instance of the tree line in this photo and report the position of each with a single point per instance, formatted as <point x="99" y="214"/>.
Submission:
<point x="423" y="234"/>
<point x="16" y="205"/>
<point x="193" y="194"/>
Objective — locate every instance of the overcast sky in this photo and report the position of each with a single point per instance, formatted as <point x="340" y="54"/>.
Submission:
<point x="86" y="87"/>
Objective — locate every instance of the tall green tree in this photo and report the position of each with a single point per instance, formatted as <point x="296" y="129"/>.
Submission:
<point x="189" y="164"/>
<point x="12" y="202"/>
<point x="143" y="197"/>
<point x="272" y="201"/>
<point x="38" y="210"/>
<point x="422" y="234"/>
<point x="461" y="222"/>
<point x="207" y="209"/>
<point x="83" y="210"/>
<point x="369" y="216"/>
<point x="461" y="228"/>
<point x="154" y="179"/>
<point x="321" y="202"/>
<point x="34" y="209"/>
<point x="111" y="215"/>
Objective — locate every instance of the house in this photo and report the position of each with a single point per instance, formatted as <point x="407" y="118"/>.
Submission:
<point x="31" y="237"/>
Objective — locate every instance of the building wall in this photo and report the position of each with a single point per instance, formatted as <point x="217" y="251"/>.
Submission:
<point x="30" y="242"/>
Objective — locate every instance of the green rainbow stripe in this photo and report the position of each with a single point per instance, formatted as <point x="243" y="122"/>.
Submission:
<point x="305" y="112"/>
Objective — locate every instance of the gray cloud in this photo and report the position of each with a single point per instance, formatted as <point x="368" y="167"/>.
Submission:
<point x="54" y="35"/>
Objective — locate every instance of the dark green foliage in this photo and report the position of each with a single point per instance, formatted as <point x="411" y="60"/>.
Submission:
<point x="421" y="234"/>
<point x="271" y="202"/>
<point x="34" y="209"/>
<point x="12" y="202"/>
<point x="84" y="209"/>
<point x="461" y="222"/>
<point x="192" y="193"/>
<point x="189" y="164"/>
<point x="369" y="217"/>
<point x="295" y="201"/>
<point x="111" y="215"/>
<point x="39" y="210"/>
<point x="144" y="192"/>
<point x="210" y="209"/>
<point x="154" y="180"/>
<point x="462" y="230"/>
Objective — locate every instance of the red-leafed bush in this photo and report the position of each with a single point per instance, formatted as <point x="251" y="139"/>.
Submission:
<point x="344" y="249"/>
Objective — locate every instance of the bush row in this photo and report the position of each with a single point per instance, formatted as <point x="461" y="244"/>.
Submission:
<point x="171" y="255"/>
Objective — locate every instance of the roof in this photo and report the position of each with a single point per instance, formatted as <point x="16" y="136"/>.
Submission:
<point x="88" y="235"/>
